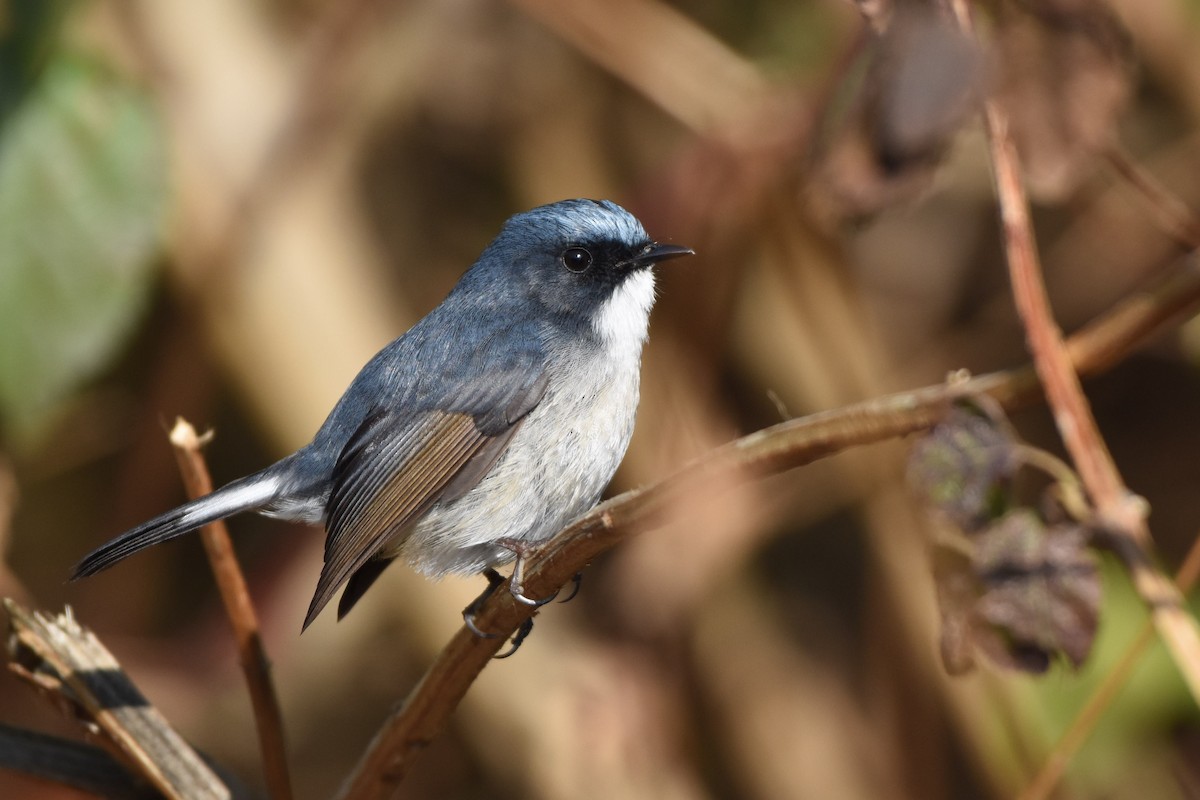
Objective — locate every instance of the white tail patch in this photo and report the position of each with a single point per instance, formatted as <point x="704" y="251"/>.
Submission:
<point x="231" y="500"/>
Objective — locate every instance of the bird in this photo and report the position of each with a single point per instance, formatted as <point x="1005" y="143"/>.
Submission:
<point x="483" y="430"/>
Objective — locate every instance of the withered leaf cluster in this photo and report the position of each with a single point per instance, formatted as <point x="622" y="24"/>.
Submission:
<point x="1021" y="589"/>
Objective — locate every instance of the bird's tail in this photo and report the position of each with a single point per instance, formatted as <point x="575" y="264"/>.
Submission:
<point x="246" y="494"/>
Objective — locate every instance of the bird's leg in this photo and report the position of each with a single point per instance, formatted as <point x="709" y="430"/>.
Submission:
<point x="494" y="580"/>
<point x="516" y="584"/>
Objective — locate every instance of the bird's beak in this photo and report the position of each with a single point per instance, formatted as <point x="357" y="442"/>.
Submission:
<point x="655" y="252"/>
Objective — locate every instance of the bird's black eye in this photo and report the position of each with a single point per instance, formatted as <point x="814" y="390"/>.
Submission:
<point x="576" y="259"/>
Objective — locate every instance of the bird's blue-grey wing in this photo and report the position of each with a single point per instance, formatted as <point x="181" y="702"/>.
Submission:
<point x="400" y="461"/>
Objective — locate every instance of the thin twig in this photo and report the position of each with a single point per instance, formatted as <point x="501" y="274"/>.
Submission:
<point x="1085" y="721"/>
<point x="415" y="723"/>
<point x="1119" y="512"/>
<point x="1166" y="209"/>
<point x="240" y="611"/>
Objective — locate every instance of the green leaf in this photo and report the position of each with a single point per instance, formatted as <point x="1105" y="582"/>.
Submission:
<point x="82" y="199"/>
<point x="28" y="30"/>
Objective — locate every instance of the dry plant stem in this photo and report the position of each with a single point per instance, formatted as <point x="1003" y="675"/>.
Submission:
<point x="68" y="664"/>
<point x="668" y="58"/>
<point x="1055" y="765"/>
<point x="240" y="610"/>
<point x="1121" y="514"/>
<point x="1175" y="217"/>
<point x="415" y="723"/>
<point x="1064" y="393"/>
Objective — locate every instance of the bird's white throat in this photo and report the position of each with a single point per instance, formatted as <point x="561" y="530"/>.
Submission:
<point x="623" y="319"/>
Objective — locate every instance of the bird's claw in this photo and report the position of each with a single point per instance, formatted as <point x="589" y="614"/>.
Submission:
<point x="495" y="579"/>
<point x="517" y="639"/>
<point x="576" y="582"/>
<point x="516" y="588"/>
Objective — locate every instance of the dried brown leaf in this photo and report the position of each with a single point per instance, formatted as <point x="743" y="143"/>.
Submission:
<point x="1042" y="587"/>
<point x="927" y="76"/>
<point x="921" y="86"/>
<point x="1024" y="596"/>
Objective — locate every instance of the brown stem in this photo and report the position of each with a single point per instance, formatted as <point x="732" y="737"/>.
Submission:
<point x="1120" y="513"/>
<point x="240" y="611"/>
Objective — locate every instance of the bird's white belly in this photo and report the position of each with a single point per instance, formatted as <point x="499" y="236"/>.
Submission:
<point x="555" y="468"/>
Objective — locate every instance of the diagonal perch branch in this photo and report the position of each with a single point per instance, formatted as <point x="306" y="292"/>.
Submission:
<point x="785" y="446"/>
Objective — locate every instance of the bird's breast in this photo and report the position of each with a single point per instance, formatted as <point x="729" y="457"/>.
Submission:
<point x="555" y="468"/>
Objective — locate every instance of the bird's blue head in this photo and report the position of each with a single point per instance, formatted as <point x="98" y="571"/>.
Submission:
<point x="581" y="260"/>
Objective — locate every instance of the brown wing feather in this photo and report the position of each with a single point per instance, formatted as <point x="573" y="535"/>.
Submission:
<point x="463" y="482"/>
<point x="389" y="487"/>
<point x="399" y="463"/>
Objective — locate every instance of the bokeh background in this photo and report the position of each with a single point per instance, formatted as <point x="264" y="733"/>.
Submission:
<point x="221" y="209"/>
